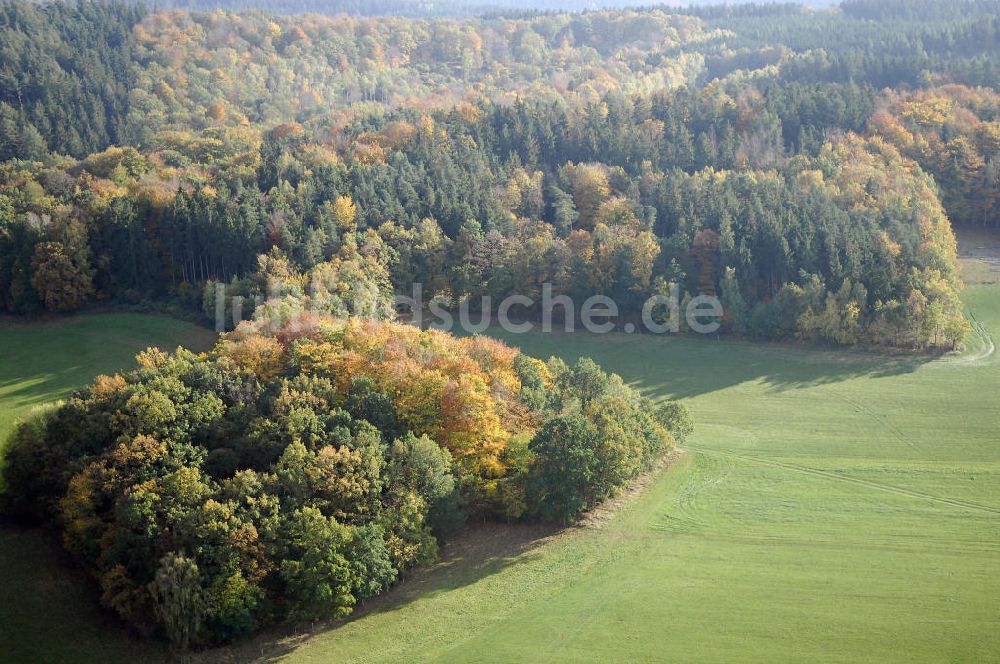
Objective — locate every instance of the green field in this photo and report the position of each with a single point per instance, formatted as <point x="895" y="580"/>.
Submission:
<point x="44" y="361"/>
<point x="832" y="506"/>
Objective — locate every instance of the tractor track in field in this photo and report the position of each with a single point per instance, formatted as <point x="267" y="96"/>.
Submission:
<point x="880" y="419"/>
<point x="981" y="356"/>
<point x="987" y="349"/>
<point x="954" y="502"/>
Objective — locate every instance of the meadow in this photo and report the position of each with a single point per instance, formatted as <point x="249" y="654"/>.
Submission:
<point x="831" y="506"/>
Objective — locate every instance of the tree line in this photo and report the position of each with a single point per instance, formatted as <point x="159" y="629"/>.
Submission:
<point x="485" y="156"/>
<point x="622" y="198"/>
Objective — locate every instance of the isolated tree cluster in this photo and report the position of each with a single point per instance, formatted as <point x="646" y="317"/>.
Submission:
<point x="290" y="475"/>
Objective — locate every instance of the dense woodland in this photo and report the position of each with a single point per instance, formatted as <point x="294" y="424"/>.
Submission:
<point x="422" y="8"/>
<point x="751" y="152"/>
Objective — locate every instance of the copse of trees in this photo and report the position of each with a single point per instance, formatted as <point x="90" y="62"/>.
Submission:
<point x="288" y="475"/>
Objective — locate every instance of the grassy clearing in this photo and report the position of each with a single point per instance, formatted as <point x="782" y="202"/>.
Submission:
<point x="832" y="506"/>
<point x="41" y="362"/>
<point x="979" y="255"/>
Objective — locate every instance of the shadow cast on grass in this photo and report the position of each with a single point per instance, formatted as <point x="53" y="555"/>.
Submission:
<point x="684" y="367"/>
<point x="475" y="553"/>
<point x="42" y="580"/>
<point x="49" y="609"/>
<point x="778" y="368"/>
<point x="42" y="387"/>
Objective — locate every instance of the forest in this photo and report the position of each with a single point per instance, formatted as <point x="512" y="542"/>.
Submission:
<point x="749" y="152"/>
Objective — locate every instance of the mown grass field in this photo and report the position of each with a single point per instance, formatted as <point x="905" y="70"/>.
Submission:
<point x="832" y="506"/>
